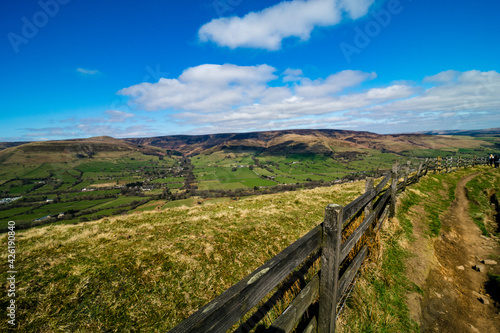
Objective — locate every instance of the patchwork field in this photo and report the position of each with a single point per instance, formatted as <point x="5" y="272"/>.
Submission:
<point x="80" y="180"/>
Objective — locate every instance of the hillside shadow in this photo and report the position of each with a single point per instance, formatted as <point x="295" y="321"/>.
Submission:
<point x="496" y="217"/>
<point x="492" y="287"/>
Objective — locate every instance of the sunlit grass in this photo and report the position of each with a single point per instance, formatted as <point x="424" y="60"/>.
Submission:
<point x="150" y="271"/>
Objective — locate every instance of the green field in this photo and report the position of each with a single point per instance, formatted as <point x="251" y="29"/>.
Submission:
<point x="87" y="188"/>
<point x="217" y="170"/>
<point x="96" y="183"/>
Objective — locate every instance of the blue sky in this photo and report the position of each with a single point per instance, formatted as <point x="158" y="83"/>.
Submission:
<point x="74" y="69"/>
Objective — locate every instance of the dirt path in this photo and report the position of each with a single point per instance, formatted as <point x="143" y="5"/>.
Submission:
<point x="454" y="297"/>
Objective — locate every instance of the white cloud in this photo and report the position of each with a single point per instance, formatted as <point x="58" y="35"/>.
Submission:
<point x="333" y="83"/>
<point x="243" y="98"/>
<point x="267" y="29"/>
<point x="356" y="8"/>
<point x="115" y="116"/>
<point x="204" y="88"/>
<point x="87" y="71"/>
<point x="292" y="75"/>
<point x="392" y="92"/>
<point x="443" y="77"/>
<point x="471" y="91"/>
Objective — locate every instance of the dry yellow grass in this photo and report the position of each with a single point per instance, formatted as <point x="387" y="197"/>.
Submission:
<point x="149" y="271"/>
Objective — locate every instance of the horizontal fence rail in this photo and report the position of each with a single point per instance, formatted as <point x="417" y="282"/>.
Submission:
<point x="315" y="306"/>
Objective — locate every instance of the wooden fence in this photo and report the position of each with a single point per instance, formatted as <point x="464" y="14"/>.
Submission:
<point x="316" y="306"/>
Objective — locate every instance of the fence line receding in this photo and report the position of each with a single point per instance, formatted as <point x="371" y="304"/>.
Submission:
<point x="316" y="306"/>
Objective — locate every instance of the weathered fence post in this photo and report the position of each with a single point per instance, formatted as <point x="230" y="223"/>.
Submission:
<point x="369" y="185"/>
<point x="330" y="262"/>
<point x="419" y="171"/>
<point x="394" y="189"/>
<point x="407" y="173"/>
<point x="427" y="162"/>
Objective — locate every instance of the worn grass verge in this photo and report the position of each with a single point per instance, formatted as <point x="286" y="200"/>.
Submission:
<point x="379" y="302"/>
<point x="439" y="190"/>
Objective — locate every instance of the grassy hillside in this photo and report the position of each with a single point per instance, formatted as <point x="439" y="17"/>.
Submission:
<point x="150" y="271"/>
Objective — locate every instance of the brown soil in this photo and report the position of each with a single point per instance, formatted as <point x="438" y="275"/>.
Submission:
<point x="454" y="299"/>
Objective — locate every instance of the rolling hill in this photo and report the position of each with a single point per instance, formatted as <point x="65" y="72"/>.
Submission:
<point x="321" y="141"/>
<point x="70" y="150"/>
<point x="300" y="141"/>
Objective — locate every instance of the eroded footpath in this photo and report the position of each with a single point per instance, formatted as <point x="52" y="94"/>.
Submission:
<point x="451" y="269"/>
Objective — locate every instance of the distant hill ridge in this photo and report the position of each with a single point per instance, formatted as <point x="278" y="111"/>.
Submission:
<point x="296" y="141"/>
<point x="299" y="141"/>
<point x="475" y="133"/>
<point x="318" y="141"/>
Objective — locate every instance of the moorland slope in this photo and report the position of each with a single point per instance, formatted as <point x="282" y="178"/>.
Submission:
<point x="320" y="141"/>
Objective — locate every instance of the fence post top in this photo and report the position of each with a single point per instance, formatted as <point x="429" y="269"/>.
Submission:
<point x="334" y="207"/>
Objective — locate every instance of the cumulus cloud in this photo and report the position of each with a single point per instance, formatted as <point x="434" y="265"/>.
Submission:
<point x="267" y="29"/>
<point x="239" y="98"/>
<point x="227" y="89"/>
<point x="333" y="83"/>
<point x="443" y="77"/>
<point x="471" y="91"/>
<point x="205" y="88"/>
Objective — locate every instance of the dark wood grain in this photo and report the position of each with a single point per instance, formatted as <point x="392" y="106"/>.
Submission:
<point x="332" y="239"/>
<point x="382" y="183"/>
<point x="356" y="205"/>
